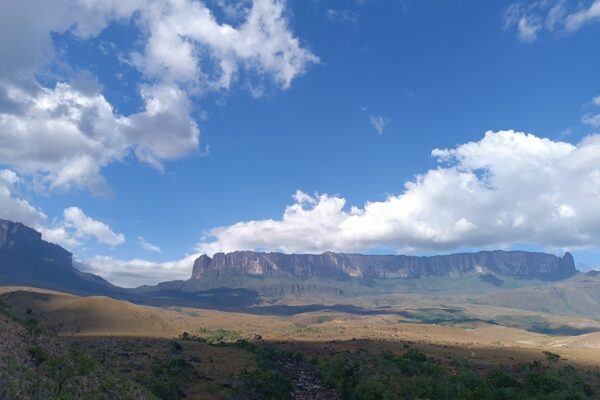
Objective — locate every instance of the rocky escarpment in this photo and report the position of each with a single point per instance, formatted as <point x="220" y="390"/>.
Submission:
<point x="27" y="260"/>
<point x="18" y="241"/>
<point x="519" y="264"/>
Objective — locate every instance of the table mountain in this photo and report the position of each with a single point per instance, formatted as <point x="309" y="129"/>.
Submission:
<point x="241" y="279"/>
<point x="520" y="264"/>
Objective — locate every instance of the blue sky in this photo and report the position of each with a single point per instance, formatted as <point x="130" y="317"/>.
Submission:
<point x="343" y="101"/>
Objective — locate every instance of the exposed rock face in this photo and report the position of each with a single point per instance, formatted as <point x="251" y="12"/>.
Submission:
<point x="27" y="260"/>
<point x="513" y="263"/>
<point x="20" y="240"/>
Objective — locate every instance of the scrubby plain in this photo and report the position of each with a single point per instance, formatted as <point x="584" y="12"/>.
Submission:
<point x="123" y="350"/>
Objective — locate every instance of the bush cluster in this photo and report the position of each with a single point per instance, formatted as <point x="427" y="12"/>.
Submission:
<point x="384" y="376"/>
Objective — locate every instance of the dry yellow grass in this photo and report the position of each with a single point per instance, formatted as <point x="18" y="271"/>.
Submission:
<point x="89" y="316"/>
<point x="102" y="316"/>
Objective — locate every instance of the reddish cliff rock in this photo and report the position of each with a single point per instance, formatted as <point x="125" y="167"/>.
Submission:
<point x="338" y="265"/>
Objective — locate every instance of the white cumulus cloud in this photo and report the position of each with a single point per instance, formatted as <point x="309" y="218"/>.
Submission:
<point x="14" y="208"/>
<point x="64" y="134"/>
<point x="180" y="32"/>
<point x="132" y="273"/>
<point x="85" y="226"/>
<point x="76" y="227"/>
<point x="509" y="187"/>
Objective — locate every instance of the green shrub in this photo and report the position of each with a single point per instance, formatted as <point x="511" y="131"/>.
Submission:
<point x="262" y="384"/>
<point x="385" y="376"/>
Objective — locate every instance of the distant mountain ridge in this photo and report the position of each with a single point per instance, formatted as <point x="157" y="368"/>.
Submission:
<point x="520" y="264"/>
<point x="18" y="239"/>
<point x="27" y="260"/>
<point x="245" y="279"/>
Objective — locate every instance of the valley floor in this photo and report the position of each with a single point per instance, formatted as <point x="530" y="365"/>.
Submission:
<point x="206" y="354"/>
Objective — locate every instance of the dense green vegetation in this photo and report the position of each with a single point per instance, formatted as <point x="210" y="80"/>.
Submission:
<point x="267" y="381"/>
<point x="366" y="376"/>
<point x="440" y="315"/>
<point x="457" y="316"/>
<point x="324" y="318"/>
<point x="218" y="335"/>
<point x="167" y="378"/>
<point x="262" y="384"/>
<point x="538" y="324"/>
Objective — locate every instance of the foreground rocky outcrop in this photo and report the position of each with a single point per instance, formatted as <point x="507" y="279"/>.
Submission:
<point x="519" y="264"/>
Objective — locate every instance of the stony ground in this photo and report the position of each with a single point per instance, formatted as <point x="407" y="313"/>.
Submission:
<point x="307" y="381"/>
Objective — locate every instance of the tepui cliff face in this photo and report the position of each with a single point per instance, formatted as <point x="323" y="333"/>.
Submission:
<point x="519" y="264"/>
<point x="27" y="260"/>
<point x="19" y="241"/>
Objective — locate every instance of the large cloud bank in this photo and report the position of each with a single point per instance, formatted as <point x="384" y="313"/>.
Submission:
<point x="63" y="134"/>
<point x="510" y="187"/>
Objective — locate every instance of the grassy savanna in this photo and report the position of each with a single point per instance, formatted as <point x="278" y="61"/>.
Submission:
<point x="174" y="352"/>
